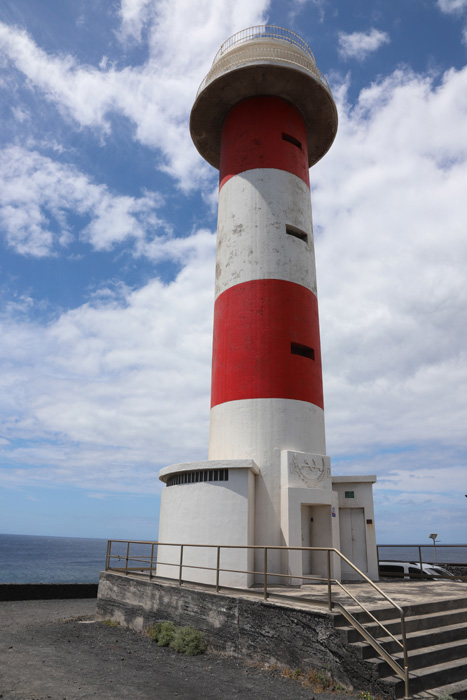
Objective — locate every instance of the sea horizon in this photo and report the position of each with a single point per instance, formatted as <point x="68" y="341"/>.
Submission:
<point x="74" y="559"/>
<point x="51" y="558"/>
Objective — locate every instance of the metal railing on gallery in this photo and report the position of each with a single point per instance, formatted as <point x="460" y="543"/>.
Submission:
<point x="138" y="563"/>
<point x="260" y="50"/>
<point x="264" y="31"/>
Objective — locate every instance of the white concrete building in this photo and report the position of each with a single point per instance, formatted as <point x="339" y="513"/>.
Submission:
<point x="263" y="115"/>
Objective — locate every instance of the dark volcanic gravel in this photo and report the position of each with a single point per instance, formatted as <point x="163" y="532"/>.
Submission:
<point x="54" y="650"/>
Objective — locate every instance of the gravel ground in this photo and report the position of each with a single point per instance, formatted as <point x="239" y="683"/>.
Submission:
<point x="55" y="650"/>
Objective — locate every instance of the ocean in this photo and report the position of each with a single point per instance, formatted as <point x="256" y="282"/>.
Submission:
<point x="36" y="559"/>
<point x="442" y="554"/>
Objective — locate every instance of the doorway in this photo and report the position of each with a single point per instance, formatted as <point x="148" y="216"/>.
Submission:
<point x="353" y="540"/>
<point x="316" y="532"/>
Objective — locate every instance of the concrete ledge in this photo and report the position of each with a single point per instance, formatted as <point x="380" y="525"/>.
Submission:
<point x="251" y="629"/>
<point x="165" y="472"/>
<point x="47" y="591"/>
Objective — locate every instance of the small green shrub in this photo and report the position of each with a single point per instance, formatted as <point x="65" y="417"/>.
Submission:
<point x="162" y="633"/>
<point x="184" y="640"/>
<point x="445" y="696"/>
<point x="111" y="623"/>
<point x="187" y="640"/>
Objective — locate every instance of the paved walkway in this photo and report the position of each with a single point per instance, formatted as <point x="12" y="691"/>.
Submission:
<point x="315" y="596"/>
<point x="403" y="593"/>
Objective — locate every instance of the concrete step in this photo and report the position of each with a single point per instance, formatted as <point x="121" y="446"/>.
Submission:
<point x="455" y="690"/>
<point x="425" y="679"/>
<point x="436" y="643"/>
<point x="389" y="612"/>
<point x="424" y="658"/>
<point x="415" y="623"/>
<point x="416" y="640"/>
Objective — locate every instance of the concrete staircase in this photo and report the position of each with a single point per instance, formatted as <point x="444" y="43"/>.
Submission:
<point x="436" y="642"/>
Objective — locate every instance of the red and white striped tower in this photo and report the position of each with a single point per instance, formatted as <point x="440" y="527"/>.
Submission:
<point x="263" y="116"/>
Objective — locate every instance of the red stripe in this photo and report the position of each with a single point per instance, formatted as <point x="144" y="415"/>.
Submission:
<point x="254" y="326"/>
<point x="252" y="137"/>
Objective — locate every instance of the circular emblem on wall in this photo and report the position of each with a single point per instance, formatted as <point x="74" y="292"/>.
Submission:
<point x="308" y="470"/>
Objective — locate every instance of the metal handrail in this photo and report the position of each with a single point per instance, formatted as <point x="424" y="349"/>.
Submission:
<point x="403" y="672"/>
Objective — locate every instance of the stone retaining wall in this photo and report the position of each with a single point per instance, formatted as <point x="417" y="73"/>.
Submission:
<point x="252" y="629"/>
<point x="456" y="569"/>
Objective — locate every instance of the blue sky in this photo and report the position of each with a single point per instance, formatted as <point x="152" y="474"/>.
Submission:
<point x="107" y="245"/>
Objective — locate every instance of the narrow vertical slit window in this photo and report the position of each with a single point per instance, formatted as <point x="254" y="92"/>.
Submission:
<point x="291" y="139"/>
<point x="303" y="350"/>
<point x="296" y="233"/>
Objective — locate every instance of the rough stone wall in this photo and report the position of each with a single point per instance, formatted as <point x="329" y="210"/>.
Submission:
<point x="251" y="629"/>
<point x="456" y="569"/>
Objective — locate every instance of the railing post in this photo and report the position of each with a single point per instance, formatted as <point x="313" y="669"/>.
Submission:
<point x="406" y="658"/>
<point x="217" y="569"/>
<point x="152" y="559"/>
<point x="107" y="556"/>
<point x="420" y="559"/>
<point x="181" y="564"/>
<point x="127" y="556"/>
<point x="329" y="581"/>
<point x="265" y="573"/>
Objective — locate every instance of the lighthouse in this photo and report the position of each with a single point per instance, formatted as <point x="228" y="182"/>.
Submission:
<point x="263" y="116"/>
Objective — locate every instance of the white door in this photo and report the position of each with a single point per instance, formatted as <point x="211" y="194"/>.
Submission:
<point x="353" y="538"/>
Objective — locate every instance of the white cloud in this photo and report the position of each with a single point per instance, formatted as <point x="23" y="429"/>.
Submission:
<point x="155" y="97"/>
<point x="134" y="14"/>
<point x="452" y="6"/>
<point x="121" y="383"/>
<point x="391" y="250"/>
<point x="297" y="6"/>
<point x="359" y="44"/>
<point x="37" y="196"/>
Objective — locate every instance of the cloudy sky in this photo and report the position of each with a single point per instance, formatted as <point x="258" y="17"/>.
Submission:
<point x="107" y="245"/>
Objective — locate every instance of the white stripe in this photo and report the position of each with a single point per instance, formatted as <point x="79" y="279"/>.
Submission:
<point x="254" y="209"/>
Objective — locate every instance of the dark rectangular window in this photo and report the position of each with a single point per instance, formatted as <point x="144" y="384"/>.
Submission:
<point x="303" y="350"/>
<point x="296" y="233"/>
<point x="198" y="477"/>
<point x="292" y="140"/>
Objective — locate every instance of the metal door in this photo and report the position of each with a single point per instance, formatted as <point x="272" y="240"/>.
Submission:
<point x="353" y="538"/>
